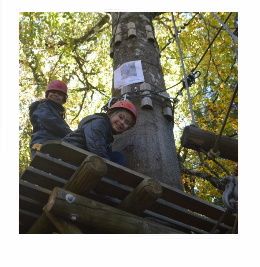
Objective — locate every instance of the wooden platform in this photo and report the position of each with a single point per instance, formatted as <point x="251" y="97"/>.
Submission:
<point x="171" y="211"/>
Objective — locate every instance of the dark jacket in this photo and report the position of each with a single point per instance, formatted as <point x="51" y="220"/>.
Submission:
<point x="47" y="120"/>
<point x="94" y="134"/>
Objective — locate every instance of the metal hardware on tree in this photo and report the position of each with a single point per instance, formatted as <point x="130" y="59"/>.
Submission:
<point x="146" y="102"/>
<point x="149" y="33"/>
<point x="118" y="34"/>
<point x="230" y="195"/>
<point x="131" y="29"/>
<point x="191" y="78"/>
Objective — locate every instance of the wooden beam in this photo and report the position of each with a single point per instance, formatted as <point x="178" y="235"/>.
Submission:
<point x="87" y="175"/>
<point x="196" y="138"/>
<point x="63" y="226"/>
<point x="104" y="217"/>
<point x="142" y="197"/>
<point x="83" y="180"/>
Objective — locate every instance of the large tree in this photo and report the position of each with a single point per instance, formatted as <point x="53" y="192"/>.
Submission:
<point x="75" y="47"/>
<point x="149" y="147"/>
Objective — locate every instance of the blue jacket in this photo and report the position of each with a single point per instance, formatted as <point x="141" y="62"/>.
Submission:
<point x="94" y="134"/>
<point x="47" y="120"/>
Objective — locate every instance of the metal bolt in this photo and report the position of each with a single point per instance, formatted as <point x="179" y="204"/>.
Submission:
<point x="70" y="198"/>
<point x="74" y="217"/>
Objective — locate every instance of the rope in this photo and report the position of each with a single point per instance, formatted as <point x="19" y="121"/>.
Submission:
<point x="215" y="148"/>
<point x="184" y="73"/>
<point x="171" y="40"/>
<point x="225" y="26"/>
<point x="204" y="52"/>
<point x="218" y="163"/>
<point x="235" y="39"/>
<point x="212" y="41"/>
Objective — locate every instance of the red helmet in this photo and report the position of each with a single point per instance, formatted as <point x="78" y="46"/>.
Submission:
<point x="57" y="86"/>
<point x="126" y="105"/>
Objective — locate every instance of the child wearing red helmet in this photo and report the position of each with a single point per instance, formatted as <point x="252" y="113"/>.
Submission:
<point x="47" y="116"/>
<point x="95" y="132"/>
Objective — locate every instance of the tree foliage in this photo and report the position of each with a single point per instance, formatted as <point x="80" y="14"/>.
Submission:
<point x="74" y="47"/>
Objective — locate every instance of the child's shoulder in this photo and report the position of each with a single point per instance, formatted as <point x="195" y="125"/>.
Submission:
<point x="35" y="104"/>
<point x="96" y="116"/>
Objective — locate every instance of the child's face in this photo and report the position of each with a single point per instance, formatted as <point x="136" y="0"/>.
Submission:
<point x="56" y="96"/>
<point x="121" y="121"/>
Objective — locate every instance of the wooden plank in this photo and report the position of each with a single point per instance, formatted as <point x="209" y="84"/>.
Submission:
<point x="173" y="212"/>
<point x="27" y="217"/>
<point x="196" y="138"/>
<point x="33" y="191"/>
<point x="74" y="155"/>
<point x="195" y="204"/>
<point x="87" y="176"/>
<point x="53" y="166"/>
<point x="31" y="205"/>
<point x="42" y="178"/>
<point x="186" y="228"/>
<point x="63" y="226"/>
<point x="181" y="216"/>
<point x="184" y="216"/>
<point x="113" y="220"/>
<point x="58" y="149"/>
<point x="131" y="178"/>
<point x="23" y="228"/>
<point x="121" y="192"/>
<point x="112" y="189"/>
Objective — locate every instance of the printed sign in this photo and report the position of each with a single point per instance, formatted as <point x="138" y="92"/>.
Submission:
<point x="128" y="73"/>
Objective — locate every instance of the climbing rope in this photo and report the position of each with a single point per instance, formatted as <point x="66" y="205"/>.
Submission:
<point x="212" y="41"/>
<point x="213" y="153"/>
<point x="225" y="26"/>
<point x="215" y="161"/>
<point x="234" y="37"/>
<point x="193" y="70"/>
<point x="171" y="40"/>
<point x="184" y="73"/>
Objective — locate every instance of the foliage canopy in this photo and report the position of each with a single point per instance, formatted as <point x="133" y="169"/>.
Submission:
<point x="74" y="47"/>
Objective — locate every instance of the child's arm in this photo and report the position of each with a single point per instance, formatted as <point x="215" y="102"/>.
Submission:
<point x="98" y="135"/>
<point x="52" y="123"/>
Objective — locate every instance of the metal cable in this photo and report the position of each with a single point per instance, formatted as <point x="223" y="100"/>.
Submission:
<point x="234" y="38"/>
<point x="220" y="29"/>
<point x="184" y="73"/>
<point x="215" y="148"/>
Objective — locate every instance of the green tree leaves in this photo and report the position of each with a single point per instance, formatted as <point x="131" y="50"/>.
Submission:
<point x="74" y="47"/>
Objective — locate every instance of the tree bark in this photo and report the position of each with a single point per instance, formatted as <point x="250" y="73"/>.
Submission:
<point x="149" y="147"/>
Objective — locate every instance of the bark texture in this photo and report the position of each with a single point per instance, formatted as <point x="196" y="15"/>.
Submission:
<point x="149" y="147"/>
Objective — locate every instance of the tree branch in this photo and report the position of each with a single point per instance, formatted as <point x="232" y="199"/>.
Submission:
<point x="218" y="183"/>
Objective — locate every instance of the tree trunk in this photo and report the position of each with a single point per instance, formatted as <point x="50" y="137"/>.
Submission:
<point x="149" y="147"/>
